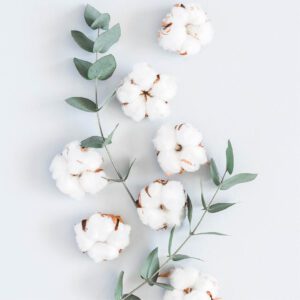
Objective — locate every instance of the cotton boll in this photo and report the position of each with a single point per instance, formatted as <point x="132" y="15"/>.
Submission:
<point x="93" y="182"/>
<point x="146" y="94"/>
<point x="58" y="167"/>
<point x="165" y="88"/>
<point x="172" y="37"/>
<point x="185" y="30"/>
<point x="101" y="252"/>
<point x="102" y="236"/>
<point x="187" y="135"/>
<point x="173" y="196"/>
<point x="179" y="149"/>
<point x="196" y="15"/>
<point x="83" y="242"/>
<point x="207" y="283"/>
<point x="163" y="213"/>
<point x="174" y="295"/>
<point x="190" y="284"/>
<point x="70" y="186"/>
<point x="135" y="110"/>
<point x="169" y="162"/>
<point x="157" y="109"/>
<point x="182" y="279"/>
<point x="165" y="138"/>
<point x="99" y="228"/>
<point x="154" y="218"/>
<point x="77" y="170"/>
<point x="143" y="75"/>
<point x="120" y="238"/>
<point x="128" y="92"/>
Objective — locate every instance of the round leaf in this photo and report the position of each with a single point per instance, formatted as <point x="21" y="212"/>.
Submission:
<point x="105" y="40"/>
<point x="82" y="104"/>
<point x="82" y="40"/>
<point x="103" y="68"/>
<point x="82" y="67"/>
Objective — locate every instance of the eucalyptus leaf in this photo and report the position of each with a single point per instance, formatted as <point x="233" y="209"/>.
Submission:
<point x="94" y="142"/>
<point x="131" y="297"/>
<point x="82" y="40"/>
<point x="101" y="22"/>
<point x="103" y="68"/>
<point x="203" y="201"/>
<point x="190" y="210"/>
<point x="82" y="104"/>
<point x="237" y="179"/>
<point x="129" y="169"/>
<point x="211" y="233"/>
<point x="164" y="286"/>
<point x="214" y="172"/>
<point x="110" y="136"/>
<point x="108" y="99"/>
<point x="229" y="158"/>
<point x="82" y="67"/>
<point x="150" y="267"/>
<point x="178" y="257"/>
<point x="106" y="39"/>
<point x="171" y="240"/>
<point x="119" y="287"/>
<point x="91" y="14"/>
<point x="214" y="208"/>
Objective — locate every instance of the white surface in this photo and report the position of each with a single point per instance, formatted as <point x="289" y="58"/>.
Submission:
<point x="242" y="86"/>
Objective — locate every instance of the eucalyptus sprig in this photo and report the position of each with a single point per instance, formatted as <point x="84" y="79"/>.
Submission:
<point x="151" y="268"/>
<point x="100" y="70"/>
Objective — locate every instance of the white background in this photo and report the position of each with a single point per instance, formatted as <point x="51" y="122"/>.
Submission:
<point x="242" y="87"/>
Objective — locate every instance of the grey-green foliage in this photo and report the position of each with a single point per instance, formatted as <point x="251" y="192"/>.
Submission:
<point x="106" y="39"/>
<point x="103" y="68"/>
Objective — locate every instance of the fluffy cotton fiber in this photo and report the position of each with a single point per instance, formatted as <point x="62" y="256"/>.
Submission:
<point x="179" y="149"/>
<point x="185" y="30"/>
<point x="77" y="171"/>
<point x="102" y="236"/>
<point x="190" y="284"/>
<point x="146" y="94"/>
<point x="161" y="204"/>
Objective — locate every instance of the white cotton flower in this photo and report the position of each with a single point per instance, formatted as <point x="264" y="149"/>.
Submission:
<point x="179" y="149"/>
<point x="162" y="204"/>
<point x="190" y="284"/>
<point x="102" y="236"/>
<point x="77" y="171"/>
<point x="185" y="30"/>
<point x="145" y="93"/>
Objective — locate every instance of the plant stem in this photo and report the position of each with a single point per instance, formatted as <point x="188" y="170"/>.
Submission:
<point x="191" y="234"/>
<point x="105" y="146"/>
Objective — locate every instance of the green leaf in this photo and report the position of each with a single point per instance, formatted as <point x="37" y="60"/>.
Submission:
<point x="219" y="207"/>
<point x="131" y="297"/>
<point x="119" y="287"/>
<point x="164" y="286"/>
<point x="150" y="267"/>
<point x="101" y="22"/>
<point x="178" y="257"/>
<point x="94" y="142"/>
<point x="82" y="40"/>
<point x="103" y="68"/>
<point x="82" y="104"/>
<point x="129" y="169"/>
<point x="106" y="39"/>
<point x="91" y="14"/>
<point x="237" y="179"/>
<point x="190" y="210"/>
<point x="108" y="99"/>
<point x="211" y="233"/>
<point x="229" y="158"/>
<point x="110" y="136"/>
<point x="82" y="67"/>
<point x="203" y="201"/>
<point x="214" y="172"/>
<point x="171" y="240"/>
